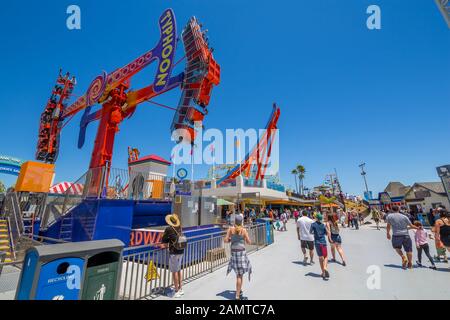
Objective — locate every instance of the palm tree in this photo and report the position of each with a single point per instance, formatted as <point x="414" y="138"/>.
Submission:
<point x="295" y="173"/>
<point x="2" y="187"/>
<point x="301" y="175"/>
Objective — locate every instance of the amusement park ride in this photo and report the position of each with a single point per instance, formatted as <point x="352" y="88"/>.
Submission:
<point x="255" y="163"/>
<point x="118" y="102"/>
<point x="93" y="215"/>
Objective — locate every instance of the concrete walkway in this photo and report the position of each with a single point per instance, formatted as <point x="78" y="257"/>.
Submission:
<point x="278" y="273"/>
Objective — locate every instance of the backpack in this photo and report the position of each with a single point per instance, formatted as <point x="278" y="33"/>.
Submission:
<point x="181" y="242"/>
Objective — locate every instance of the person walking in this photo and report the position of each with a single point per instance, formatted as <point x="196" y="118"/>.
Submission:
<point x="355" y="219"/>
<point x="296" y="215"/>
<point x="376" y="218"/>
<point x="421" y="237"/>
<point x="334" y="237"/>
<point x="174" y="239"/>
<point x="349" y="219"/>
<point x="430" y="217"/>
<point x="442" y="227"/>
<point x="306" y="238"/>
<point x="441" y="251"/>
<point x="399" y="223"/>
<point x="342" y="218"/>
<point x="284" y="220"/>
<point x="319" y="231"/>
<point x="252" y="216"/>
<point x="237" y="235"/>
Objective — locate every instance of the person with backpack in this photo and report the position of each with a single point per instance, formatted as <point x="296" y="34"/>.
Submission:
<point x="238" y="236"/>
<point x="174" y="239"/>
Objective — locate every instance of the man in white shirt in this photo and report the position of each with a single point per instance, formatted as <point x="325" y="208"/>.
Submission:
<point x="304" y="235"/>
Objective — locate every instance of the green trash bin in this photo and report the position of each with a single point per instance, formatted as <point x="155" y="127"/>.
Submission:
<point x="102" y="278"/>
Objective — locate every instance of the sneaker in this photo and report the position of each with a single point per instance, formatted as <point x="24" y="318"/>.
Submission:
<point x="343" y="263"/>
<point x="433" y="267"/>
<point x="327" y="274"/>
<point x="311" y="262"/>
<point x="419" y="264"/>
<point x="177" y="295"/>
<point x="404" y="262"/>
<point x="332" y="260"/>
<point x="181" y="292"/>
<point x="305" y="260"/>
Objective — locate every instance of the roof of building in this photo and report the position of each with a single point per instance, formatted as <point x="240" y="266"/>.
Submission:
<point x="151" y="158"/>
<point x="436" y="187"/>
<point x="396" y="189"/>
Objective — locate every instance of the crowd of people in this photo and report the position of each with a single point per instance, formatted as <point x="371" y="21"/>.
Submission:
<point x="313" y="231"/>
<point x="318" y="230"/>
<point x="400" y="221"/>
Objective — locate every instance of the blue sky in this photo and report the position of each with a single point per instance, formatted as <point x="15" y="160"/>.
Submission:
<point x="347" y="94"/>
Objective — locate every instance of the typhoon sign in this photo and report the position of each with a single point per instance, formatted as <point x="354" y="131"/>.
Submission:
<point x="165" y="50"/>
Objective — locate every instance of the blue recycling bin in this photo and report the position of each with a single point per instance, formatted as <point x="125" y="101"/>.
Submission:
<point x="62" y="271"/>
<point x="269" y="229"/>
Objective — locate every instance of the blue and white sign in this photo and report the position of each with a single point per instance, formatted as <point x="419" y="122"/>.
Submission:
<point x="182" y="174"/>
<point x="10" y="165"/>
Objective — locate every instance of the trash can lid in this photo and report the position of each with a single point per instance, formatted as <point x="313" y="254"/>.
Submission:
<point x="78" y="248"/>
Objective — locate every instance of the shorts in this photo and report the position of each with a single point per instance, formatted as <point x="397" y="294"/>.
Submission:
<point x="306" y="244"/>
<point x="321" y="249"/>
<point x="175" y="262"/>
<point x="446" y="241"/>
<point x="402" y="241"/>
<point x="336" y="238"/>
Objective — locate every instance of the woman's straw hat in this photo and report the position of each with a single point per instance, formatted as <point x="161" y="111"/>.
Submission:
<point x="173" y="220"/>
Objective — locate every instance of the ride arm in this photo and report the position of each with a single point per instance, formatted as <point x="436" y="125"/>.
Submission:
<point x="147" y="93"/>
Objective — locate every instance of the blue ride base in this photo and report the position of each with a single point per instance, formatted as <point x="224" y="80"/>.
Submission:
<point x="99" y="219"/>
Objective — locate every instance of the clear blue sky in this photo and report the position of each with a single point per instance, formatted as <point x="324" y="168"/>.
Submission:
<point x="347" y="94"/>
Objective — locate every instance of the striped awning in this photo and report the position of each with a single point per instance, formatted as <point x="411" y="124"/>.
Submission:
<point x="67" y="187"/>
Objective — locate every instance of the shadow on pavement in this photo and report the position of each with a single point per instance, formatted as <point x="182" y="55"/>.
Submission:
<point x="393" y="266"/>
<point x="227" y="294"/>
<point x="299" y="263"/>
<point x="314" y="275"/>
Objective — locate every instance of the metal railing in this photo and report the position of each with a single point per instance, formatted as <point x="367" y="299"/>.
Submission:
<point x="13" y="216"/>
<point x="146" y="274"/>
<point x="2" y="260"/>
